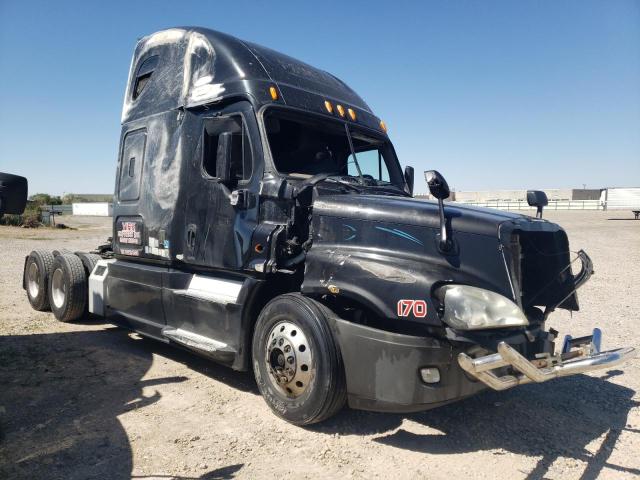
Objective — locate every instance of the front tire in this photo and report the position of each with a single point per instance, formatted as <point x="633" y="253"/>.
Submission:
<point x="68" y="290"/>
<point x="296" y="360"/>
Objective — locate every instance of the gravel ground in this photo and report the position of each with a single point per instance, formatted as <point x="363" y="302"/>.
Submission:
<point x="90" y="400"/>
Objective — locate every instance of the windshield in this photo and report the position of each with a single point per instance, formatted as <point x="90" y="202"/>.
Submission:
<point x="304" y="145"/>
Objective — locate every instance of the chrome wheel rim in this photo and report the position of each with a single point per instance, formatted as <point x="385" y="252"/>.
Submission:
<point x="32" y="280"/>
<point x="58" y="288"/>
<point x="289" y="359"/>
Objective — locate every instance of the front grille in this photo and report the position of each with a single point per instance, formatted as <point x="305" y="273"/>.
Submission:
<point x="542" y="269"/>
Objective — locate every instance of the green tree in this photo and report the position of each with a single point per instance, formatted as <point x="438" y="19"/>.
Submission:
<point x="45" y="199"/>
<point x="69" y="198"/>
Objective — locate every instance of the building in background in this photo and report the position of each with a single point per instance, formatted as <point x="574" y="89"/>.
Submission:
<point x="93" y="209"/>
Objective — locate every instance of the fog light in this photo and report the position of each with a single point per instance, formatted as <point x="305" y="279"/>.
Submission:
<point x="430" y="375"/>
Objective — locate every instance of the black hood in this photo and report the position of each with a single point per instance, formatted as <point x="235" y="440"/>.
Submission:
<point x="423" y="213"/>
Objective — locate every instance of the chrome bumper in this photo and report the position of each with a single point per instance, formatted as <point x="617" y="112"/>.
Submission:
<point x="539" y="370"/>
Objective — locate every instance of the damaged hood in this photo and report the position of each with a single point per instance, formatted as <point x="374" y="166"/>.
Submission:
<point x="420" y="213"/>
<point x="380" y="249"/>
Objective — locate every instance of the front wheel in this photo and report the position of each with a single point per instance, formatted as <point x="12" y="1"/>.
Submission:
<point x="296" y="360"/>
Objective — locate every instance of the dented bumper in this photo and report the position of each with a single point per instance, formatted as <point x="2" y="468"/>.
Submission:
<point x="489" y="369"/>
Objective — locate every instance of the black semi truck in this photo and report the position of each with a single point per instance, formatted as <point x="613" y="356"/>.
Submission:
<point x="261" y="218"/>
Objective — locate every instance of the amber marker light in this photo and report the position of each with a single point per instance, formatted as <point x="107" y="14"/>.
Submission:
<point x="274" y="93"/>
<point x="340" y="109"/>
<point x="383" y="126"/>
<point x="352" y="114"/>
<point x="328" y="106"/>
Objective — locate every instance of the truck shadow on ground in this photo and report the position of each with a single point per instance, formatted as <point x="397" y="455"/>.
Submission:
<point x="61" y="395"/>
<point x="558" y="419"/>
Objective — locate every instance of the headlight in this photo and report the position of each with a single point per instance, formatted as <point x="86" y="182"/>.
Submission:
<point x="472" y="308"/>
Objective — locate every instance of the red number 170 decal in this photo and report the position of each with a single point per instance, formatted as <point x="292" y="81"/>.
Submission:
<point x="418" y="307"/>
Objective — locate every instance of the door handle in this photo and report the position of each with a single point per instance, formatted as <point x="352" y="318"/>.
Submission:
<point x="240" y="198"/>
<point x="191" y="236"/>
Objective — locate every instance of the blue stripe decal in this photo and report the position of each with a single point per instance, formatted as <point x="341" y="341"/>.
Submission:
<point x="401" y="234"/>
<point x="351" y="229"/>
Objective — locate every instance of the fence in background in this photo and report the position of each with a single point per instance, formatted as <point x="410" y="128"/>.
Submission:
<point x="553" y="205"/>
<point x="48" y="213"/>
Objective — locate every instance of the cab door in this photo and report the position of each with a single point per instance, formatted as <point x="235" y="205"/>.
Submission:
<point x="221" y="206"/>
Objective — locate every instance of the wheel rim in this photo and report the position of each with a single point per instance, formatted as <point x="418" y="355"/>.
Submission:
<point x="289" y="359"/>
<point x="58" y="288"/>
<point x="32" y="280"/>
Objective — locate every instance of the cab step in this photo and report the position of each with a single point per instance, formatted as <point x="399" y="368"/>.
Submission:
<point x="196" y="341"/>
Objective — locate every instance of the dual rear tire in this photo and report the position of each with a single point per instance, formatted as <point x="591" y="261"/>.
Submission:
<point x="37" y="270"/>
<point x="68" y="288"/>
<point x="57" y="282"/>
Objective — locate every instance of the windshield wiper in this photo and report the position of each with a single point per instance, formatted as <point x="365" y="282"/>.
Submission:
<point x="343" y="183"/>
<point x="353" y="152"/>
<point x="323" y="177"/>
<point x="391" y="188"/>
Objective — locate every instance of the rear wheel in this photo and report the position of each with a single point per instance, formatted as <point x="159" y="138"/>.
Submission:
<point x="89" y="261"/>
<point x="296" y="360"/>
<point x="37" y="270"/>
<point x="68" y="288"/>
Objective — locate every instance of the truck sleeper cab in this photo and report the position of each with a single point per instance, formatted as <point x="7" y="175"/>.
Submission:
<point x="262" y="219"/>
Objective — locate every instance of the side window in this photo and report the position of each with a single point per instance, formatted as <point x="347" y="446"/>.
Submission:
<point x="241" y="158"/>
<point x="210" y="159"/>
<point x="143" y="75"/>
<point x="131" y="162"/>
<point x="371" y="162"/>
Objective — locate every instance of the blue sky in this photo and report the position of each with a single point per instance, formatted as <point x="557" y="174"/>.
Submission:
<point x="494" y="94"/>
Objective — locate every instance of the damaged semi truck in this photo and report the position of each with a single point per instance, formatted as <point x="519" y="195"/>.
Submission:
<point x="262" y="219"/>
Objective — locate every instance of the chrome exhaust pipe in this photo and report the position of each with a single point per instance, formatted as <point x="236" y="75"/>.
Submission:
<point x="481" y="367"/>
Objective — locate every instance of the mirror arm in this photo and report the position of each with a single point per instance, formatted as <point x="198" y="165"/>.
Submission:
<point x="444" y="237"/>
<point x="439" y="189"/>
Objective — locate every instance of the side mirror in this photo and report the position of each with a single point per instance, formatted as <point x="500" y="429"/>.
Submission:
<point x="409" y="175"/>
<point x="438" y="186"/>
<point x="13" y="194"/>
<point x="223" y="156"/>
<point x="537" y="198"/>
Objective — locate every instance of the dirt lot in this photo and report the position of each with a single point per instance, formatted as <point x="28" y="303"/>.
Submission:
<point x="88" y="400"/>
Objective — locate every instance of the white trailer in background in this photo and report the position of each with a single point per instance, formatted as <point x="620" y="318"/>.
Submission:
<point x="621" y="199"/>
<point x="97" y="209"/>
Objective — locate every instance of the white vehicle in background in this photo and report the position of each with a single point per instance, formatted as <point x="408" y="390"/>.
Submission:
<point x="621" y="199"/>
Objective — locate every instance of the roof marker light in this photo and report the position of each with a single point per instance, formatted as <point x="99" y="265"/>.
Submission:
<point x="352" y="114"/>
<point x="383" y="126"/>
<point x="328" y="106"/>
<point x="274" y="93"/>
<point x="340" y="109"/>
